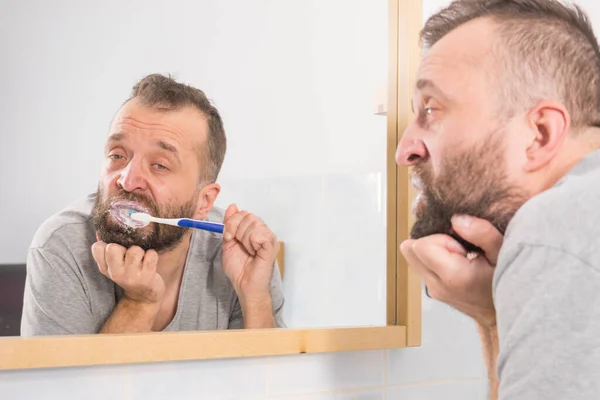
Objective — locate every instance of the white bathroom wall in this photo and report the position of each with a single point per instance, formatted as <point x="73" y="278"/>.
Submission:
<point x="295" y="82"/>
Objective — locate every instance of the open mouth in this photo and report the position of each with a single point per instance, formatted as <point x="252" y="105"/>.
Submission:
<point x="121" y="212"/>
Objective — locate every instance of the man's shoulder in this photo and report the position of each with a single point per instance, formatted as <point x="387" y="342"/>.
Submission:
<point x="72" y="227"/>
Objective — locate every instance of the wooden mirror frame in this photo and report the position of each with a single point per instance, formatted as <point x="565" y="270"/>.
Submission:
<point x="403" y="288"/>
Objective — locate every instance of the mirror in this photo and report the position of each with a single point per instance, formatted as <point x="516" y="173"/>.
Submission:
<point x="301" y="89"/>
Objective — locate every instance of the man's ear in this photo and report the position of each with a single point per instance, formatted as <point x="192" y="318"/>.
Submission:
<point x="206" y="199"/>
<point x="549" y="122"/>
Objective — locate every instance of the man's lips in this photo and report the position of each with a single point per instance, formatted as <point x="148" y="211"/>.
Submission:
<point x="120" y="212"/>
<point x="130" y="205"/>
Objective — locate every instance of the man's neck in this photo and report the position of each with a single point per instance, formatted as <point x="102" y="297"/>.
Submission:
<point x="172" y="262"/>
<point x="574" y="151"/>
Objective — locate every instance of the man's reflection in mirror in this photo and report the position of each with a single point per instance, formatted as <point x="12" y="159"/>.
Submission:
<point x="91" y="269"/>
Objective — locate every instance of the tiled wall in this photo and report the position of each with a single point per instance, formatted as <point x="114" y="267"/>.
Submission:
<point x="448" y="366"/>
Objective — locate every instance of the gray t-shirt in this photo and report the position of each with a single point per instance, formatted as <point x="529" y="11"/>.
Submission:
<point x="65" y="293"/>
<point x="546" y="288"/>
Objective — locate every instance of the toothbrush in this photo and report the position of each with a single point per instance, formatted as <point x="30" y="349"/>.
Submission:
<point x="182" y="222"/>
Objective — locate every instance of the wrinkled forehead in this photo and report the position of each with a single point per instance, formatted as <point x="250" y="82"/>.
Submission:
<point x="462" y="63"/>
<point x="186" y="126"/>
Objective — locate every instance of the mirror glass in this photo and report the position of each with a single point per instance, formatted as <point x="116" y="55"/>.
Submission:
<point x="301" y="90"/>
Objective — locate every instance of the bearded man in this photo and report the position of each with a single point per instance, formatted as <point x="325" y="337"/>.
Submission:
<point x="505" y="142"/>
<point x="90" y="271"/>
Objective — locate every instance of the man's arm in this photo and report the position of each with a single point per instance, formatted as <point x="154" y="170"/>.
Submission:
<point x="131" y="317"/>
<point x="249" y="260"/>
<point x="489" y="342"/>
<point x="548" y="323"/>
<point x="265" y="314"/>
<point x="258" y="313"/>
<point x="462" y="281"/>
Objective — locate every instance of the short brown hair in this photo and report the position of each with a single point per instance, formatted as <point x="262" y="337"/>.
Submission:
<point x="166" y="94"/>
<point x="547" y="49"/>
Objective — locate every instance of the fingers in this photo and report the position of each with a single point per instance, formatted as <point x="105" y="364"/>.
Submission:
<point x="149" y="261"/>
<point x="115" y="260"/>
<point x="115" y="254"/>
<point x="133" y="269"/>
<point x="110" y="259"/>
<point x="98" y="252"/>
<point x="427" y="274"/>
<point x="250" y="231"/>
<point x="231" y="211"/>
<point x="433" y="252"/>
<point x="481" y="233"/>
<point x="254" y="234"/>
<point x="247" y="224"/>
<point x="233" y="218"/>
<point x="434" y="285"/>
<point x="263" y="238"/>
<point x="133" y="257"/>
<point x="430" y="257"/>
<point x="435" y="259"/>
<point x="231" y="222"/>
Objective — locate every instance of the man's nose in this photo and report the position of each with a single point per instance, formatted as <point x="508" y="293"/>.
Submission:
<point x="132" y="178"/>
<point x="411" y="149"/>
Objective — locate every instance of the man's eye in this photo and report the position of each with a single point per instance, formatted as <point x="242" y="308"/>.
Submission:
<point x="161" y="167"/>
<point x="116" y="157"/>
<point x="428" y="111"/>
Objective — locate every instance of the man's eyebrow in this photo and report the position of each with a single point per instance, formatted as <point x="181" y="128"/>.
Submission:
<point x="115" y="137"/>
<point x="426" y="84"/>
<point x="167" y="146"/>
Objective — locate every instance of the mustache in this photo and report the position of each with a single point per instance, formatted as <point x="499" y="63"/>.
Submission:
<point x="422" y="179"/>
<point x="122" y="195"/>
<point x="130" y="196"/>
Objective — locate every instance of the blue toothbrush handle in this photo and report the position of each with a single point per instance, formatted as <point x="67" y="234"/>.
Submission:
<point x="204" y="225"/>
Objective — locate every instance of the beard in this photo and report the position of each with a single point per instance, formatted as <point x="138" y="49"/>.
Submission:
<point x="154" y="236"/>
<point x="470" y="182"/>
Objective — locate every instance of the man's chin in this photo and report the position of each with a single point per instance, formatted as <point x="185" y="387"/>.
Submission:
<point x="419" y="205"/>
<point x="423" y="228"/>
<point x="124" y="240"/>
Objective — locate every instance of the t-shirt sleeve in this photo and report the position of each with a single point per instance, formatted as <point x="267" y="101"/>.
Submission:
<point x="236" y="320"/>
<point x="277" y="296"/>
<point x="55" y="301"/>
<point x="548" y="325"/>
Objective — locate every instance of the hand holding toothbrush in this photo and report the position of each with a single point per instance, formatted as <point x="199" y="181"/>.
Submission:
<point x="249" y="252"/>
